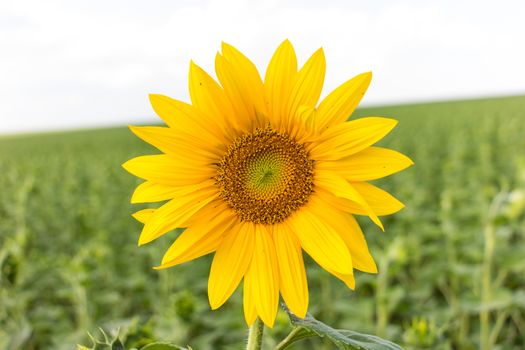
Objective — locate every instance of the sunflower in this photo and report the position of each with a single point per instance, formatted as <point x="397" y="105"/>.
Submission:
<point x="257" y="171"/>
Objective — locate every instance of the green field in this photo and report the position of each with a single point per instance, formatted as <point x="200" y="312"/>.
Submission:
<point x="452" y="264"/>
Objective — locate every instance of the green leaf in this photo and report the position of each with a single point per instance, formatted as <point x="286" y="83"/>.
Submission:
<point x="117" y="345"/>
<point x="343" y="339"/>
<point x="104" y="344"/>
<point x="164" y="346"/>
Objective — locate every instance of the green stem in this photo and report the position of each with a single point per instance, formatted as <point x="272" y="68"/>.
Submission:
<point x="486" y="287"/>
<point x="382" y="312"/>
<point x="500" y="322"/>
<point x="255" y="335"/>
<point x="486" y="278"/>
<point x="288" y="340"/>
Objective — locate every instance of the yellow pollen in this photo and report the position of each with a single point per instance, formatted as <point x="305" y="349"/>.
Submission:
<point x="265" y="176"/>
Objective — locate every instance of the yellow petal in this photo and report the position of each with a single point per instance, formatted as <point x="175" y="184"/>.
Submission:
<point x="199" y="239"/>
<point x="292" y="275"/>
<point x="168" y="170"/>
<point x="250" y="313"/>
<point x="348" y="279"/>
<point x="210" y="210"/>
<point x="243" y="116"/>
<point x="307" y="87"/>
<point x="342" y="188"/>
<point x="176" y="212"/>
<point x="348" y="228"/>
<point x="369" y="164"/>
<point x="333" y="257"/>
<point x="352" y="207"/>
<point x="301" y="129"/>
<point x="337" y="107"/>
<point x="279" y="81"/>
<point x="356" y="243"/>
<point x="264" y="276"/>
<point x="245" y="99"/>
<point x="230" y="263"/>
<point x="169" y="141"/>
<point x="381" y="202"/>
<point x="207" y="95"/>
<point x="320" y="240"/>
<point x="348" y="138"/>
<point x="184" y="118"/>
<point x="143" y="215"/>
<point x="149" y="191"/>
<point x="246" y="72"/>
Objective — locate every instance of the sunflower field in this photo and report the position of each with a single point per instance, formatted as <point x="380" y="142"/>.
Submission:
<point x="451" y="264"/>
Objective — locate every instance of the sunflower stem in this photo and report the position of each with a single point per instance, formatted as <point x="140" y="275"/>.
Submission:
<point x="255" y="335"/>
<point x="290" y="338"/>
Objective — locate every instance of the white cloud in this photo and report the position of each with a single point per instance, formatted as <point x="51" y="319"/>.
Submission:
<point x="71" y="63"/>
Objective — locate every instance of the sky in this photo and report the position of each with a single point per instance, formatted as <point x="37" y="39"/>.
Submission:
<point x="74" y="64"/>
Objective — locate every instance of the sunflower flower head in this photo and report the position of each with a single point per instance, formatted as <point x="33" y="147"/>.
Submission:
<point x="257" y="171"/>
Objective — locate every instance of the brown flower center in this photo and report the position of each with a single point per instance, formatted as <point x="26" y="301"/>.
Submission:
<point x="265" y="176"/>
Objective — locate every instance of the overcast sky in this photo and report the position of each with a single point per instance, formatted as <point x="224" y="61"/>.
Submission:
<point x="70" y="64"/>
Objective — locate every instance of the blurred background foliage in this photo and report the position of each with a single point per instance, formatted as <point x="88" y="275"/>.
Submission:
<point x="452" y="263"/>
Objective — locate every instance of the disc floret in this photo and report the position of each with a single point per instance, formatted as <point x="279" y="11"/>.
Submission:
<point x="265" y="176"/>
